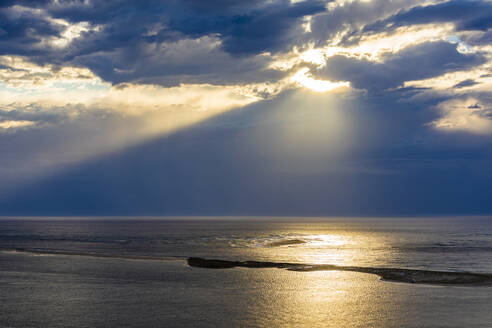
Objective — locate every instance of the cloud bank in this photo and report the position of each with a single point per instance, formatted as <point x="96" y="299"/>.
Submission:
<point x="84" y="79"/>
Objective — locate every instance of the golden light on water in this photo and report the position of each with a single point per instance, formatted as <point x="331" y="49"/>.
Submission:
<point x="338" y="249"/>
<point x="326" y="247"/>
<point x="329" y="249"/>
<point x="322" y="298"/>
<point x="319" y="299"/>
<point x="328" y="240"/>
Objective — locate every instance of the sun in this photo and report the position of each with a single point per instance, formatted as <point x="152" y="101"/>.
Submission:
<point x="302" y="77"/>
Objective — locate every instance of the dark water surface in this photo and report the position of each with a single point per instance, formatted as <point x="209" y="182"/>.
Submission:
<point x="114" y="272"/>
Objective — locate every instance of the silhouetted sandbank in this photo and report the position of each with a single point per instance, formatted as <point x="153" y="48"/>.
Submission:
<point x="388" y="274"/>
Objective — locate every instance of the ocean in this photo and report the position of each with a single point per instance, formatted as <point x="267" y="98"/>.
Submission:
<point x="274" y="272"/>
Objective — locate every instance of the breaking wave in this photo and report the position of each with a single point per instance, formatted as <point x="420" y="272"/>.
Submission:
<point x="49" y="252"/>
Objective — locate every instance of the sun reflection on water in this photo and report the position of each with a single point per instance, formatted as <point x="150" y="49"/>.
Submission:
<point x="337" y="248"/>
<point x="329" y="249"/>
<point x="328" y="240"/>
<point x="319" y="299"/>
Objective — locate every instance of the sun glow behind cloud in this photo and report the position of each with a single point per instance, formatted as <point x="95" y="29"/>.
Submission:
<point x="303" y="78"/>
<point x="372" y="47"/>
<point x="467" y="115"/>
<point x="15" y="124"/>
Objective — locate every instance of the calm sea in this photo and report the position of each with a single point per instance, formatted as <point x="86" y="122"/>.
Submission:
<point x="132" y="272"/>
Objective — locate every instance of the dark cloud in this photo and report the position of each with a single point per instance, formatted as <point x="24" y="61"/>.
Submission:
<point x="271" y="29"/>
<point x="477" y="38"/>
<point x="219" y="41"/>
<point x="139" y="41"/>
<point x="466" y="15"/>
<point x="22" y="32"/>
<point x="465" y="83"/>
<point x="412" y="63"/>
<point x="28" y="3"/>
<point x="244" y="29"/>
<point x="348" y="20"/>
<point x="11" y="69"/>
<point x="186" y="61"/>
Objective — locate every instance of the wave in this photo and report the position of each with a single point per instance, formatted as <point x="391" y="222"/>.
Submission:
<point x="286" y="242"/>
<point x="445" y="248"/>
<point x="49" y="252"/>
<point x="387" y="274"/>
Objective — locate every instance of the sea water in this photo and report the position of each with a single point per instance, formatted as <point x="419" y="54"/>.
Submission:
<point x="132" y="272"/>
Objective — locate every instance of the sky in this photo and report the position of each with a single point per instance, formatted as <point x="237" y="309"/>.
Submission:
<point x="259" y="107"/>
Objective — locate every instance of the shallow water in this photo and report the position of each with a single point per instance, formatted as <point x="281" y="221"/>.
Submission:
<point x="132" y="273"/>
